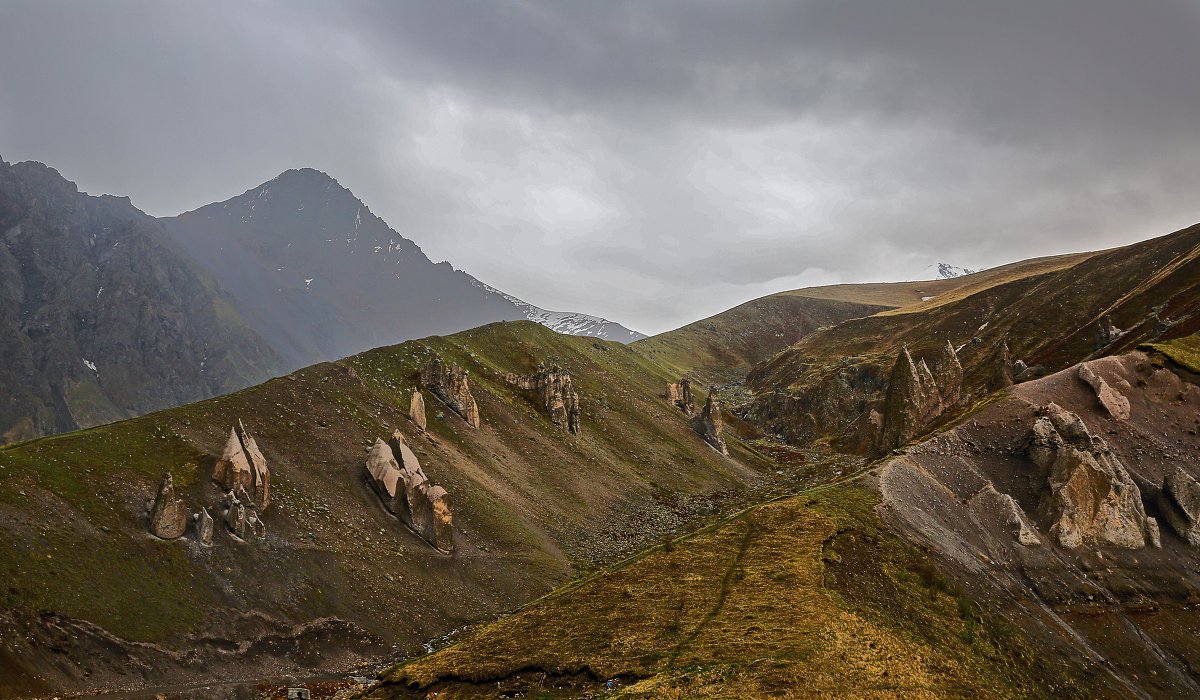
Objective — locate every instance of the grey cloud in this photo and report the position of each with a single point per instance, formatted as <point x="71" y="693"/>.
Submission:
<point x="649" y="161"/>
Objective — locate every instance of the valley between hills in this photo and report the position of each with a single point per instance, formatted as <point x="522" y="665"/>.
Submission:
<point x="981" y="486"/>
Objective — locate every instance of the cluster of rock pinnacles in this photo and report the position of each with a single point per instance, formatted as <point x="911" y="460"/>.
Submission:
<point x="245" y="481"/>
<point x="707" y="423"/>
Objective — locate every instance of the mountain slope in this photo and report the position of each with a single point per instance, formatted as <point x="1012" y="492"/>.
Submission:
<point x="336" y="573"/>
<point x="321" y="277"/>
<point x="823" y="385"/>
<point x="570" y="322"/>
<point x="102" y="317"/>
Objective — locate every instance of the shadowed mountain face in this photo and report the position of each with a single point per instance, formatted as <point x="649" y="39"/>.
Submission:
<point x="321" y="277"/>
<point x="101" y="317"/>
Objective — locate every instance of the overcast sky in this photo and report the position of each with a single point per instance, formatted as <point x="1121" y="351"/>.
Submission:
<point x="652" y="162"/>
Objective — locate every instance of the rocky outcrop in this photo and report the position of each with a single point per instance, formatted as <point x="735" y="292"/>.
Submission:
<point x="242" y="464"/>
<point x="1106" y="333"/>
<point x="1002" y="370"/>
<point x="169" y="515"/>
<point x="916" y="395"/>
<point x="555" y="393"/>
<point x="1179" y="502"/>
<point x="416" y="410"/>
<point x="396" y="476"/>
<point x="450" y="384"/>
<point x="204" y="527"/>
<point x="680" y="394"/>
<point x="240" y="515"/>
<point x="709" y="424"/>
<point x="1091" y="498"/>
<point x="1111" y="400"/>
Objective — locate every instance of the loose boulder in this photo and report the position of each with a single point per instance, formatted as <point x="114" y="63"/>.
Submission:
<point x="1112" y="401"/>
<point x="1089" y="497"/>
<point x="169" y="515"/>
<point x="450" y="384"/>
<point x="709" y="424"/>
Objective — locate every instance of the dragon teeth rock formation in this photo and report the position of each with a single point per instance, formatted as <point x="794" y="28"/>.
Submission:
<point x="407" y="493"/>
<point x="242" y="464"/>
<point x="169" y="515"/>
<point x="1106" y="333"/>
<point x="681" y="395"/>
<point x="1111" y="400"/>
<point x="416" y="410"/>
<point x="450" y="385"/>
<point x="709" y="425"/>
<point x="916" y="395"/>
<point x="1002" y="371"/>
<point x="555" y="392"/>
<point x="1091" y="500"/>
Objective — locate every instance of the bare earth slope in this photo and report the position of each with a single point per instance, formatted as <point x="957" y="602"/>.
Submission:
<point x="337" y="579"/>
<point x="1124" y="616"/>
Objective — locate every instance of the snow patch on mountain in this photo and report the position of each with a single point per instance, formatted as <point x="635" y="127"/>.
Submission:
<point x="944" y="271"/>
<point x="568" y="322"/>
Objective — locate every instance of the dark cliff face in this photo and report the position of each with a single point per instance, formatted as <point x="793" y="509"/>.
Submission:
<point x="321" y="277"/>
<point x="102" y="317"/>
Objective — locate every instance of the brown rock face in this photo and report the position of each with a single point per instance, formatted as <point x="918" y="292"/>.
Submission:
<point x="169" y="516"/>
<point x="681" y="395"/>
<point x="242" y="464"/>
<point x="916" y="395"/>
<point x="407" y="493"/>
<point x="555" y="392"/>
<point x="416" y="410"/>
<point x="450" y="385"/>
<point x="1111" y="400"/>
<point x="709" y="425"/>
<point x="1002" y="371"/>
<point x="1091" y="500"/>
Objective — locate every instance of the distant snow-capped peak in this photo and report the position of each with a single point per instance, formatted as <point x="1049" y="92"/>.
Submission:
<point x="569" y="322"/>
<point x="944" y="271"/>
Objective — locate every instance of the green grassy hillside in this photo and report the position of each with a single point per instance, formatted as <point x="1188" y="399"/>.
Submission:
<point x="532" y="505"/>
<point x="804" y="596"/>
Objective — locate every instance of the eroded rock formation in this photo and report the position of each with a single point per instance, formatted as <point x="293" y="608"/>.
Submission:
<point x="1091" y="499"/>
<point x="396" y="475"/>
<point x="916" y="395"/>
<point x="242" y="464"/>
<point x="1106" y="333"/>
<point x="1002" y="371"/>
<point x="709" y="424"/>
<point x="1112" y="401"/>
<point x="450" y="384"/>
<point x="169" y="515"/>
<point x="416" y="409"/>
<point x="1001" y="507"/>
<point x="204" y="527"/>
<point x="240" y="515"/>
<point x="555" y="392"/>
<point x="1179" y="502"/>
<point x="681" y="395"/>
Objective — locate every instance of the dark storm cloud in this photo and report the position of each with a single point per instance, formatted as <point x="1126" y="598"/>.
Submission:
<point x="649" y="161"/>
